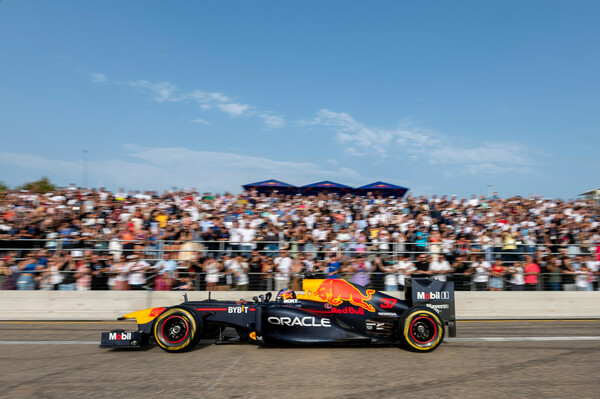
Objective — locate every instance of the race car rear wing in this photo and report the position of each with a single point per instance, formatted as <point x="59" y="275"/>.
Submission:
<point x="435" y="294"/>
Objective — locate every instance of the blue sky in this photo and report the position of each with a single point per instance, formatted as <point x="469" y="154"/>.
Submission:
<point x="441" y="97"/>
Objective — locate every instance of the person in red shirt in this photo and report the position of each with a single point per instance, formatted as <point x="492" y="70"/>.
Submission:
<point x="532" y="271"/>
<point x="497" y="274"/>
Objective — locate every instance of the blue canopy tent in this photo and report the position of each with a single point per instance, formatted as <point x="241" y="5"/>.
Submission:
<point x="327" y="187"/>
<point x="383" y="189"/>
<point x="269" y="186"/>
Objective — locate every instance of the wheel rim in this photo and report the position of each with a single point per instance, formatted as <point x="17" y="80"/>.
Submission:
<point x="423" y="330"/>
<point x="174" y="329"/>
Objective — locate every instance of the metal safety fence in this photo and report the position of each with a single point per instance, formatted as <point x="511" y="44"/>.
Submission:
<point x="186" y="280"/>
<point x="156" y="249"/>
<point x="61" y="264"/>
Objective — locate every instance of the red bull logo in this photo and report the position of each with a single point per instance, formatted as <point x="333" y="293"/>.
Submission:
<point x="337" y="292"/>
<point x="156" y="312"/>
<point x="347" y="310"/>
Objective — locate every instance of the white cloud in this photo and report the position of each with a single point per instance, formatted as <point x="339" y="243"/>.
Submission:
<point x="201" y="121"/>
<point x="203" y="97"/>
<point x="234" y="109"/>
<point x="168" y="92"/>
<point x="98" y="77"/>
<point x="161" y="91"/>
<point x="162" y="168"/>
<point x="417" y="143"/>
<point x="381" y="141"/>
<point x="273" y="121"/>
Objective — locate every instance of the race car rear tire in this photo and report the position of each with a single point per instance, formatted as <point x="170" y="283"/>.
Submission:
<point x="421" y="329"/>
<point x="177" y="330"/>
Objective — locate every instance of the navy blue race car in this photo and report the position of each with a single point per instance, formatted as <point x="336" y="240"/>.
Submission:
<point x="329" y="312"/>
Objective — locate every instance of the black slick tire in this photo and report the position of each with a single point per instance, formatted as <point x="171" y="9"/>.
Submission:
<point x="177" y="330"/>
<point x="421" y="329"/>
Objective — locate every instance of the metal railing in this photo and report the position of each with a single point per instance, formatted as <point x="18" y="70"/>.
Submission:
<point x="317" y="249"/>
<point x="196" y="281"/>
<point x="185" y="252"/>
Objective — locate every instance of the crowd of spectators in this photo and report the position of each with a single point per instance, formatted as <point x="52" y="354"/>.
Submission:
<point x="95" y="239"/>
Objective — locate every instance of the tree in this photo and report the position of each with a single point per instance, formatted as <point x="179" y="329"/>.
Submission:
<point x="41" y="186"/>
<point x="3" y="187"/>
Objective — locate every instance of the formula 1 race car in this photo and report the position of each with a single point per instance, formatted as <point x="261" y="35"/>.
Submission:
<point x="329" y="312"/>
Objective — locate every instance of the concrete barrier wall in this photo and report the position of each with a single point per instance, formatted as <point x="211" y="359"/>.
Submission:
<point x="108" y="305"/>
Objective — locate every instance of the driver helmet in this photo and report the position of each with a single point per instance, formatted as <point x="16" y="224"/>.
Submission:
<point x="286" y="293"/>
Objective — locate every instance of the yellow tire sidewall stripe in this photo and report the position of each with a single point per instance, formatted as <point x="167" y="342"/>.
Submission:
<point x="191" y="320"/>
<point x="437" y="322"/>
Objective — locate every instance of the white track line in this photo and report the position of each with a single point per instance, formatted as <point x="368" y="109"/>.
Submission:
<point x="522" y="339"/>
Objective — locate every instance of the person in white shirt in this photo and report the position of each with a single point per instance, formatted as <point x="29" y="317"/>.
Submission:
<point x="239" y="269"/>
<point x="405" y="269"/>
<point x="235" y="239"/>
<point x="474" y="201"/>
<point x="119" y="274"/>
<point x="211" y="268"/>
<point x="319" y="235"/>
<point x="517" y="277"/>
<point x="593" y="267"/>
<point x="481" y="278"/>
<point x="248" y="235"/>
<point x="283" y="268"/>
<point x="390" y="281"/>
<point x="583" y="278"/>
<point x="137" y="273"/>
<point x="440" y="268"/>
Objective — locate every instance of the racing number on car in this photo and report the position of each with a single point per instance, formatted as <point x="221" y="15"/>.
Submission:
<point x="388" y="303"/>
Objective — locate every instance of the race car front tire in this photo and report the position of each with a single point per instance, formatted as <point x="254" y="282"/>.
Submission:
<point x="177" y="330"/>
<point x="421" y="329"/>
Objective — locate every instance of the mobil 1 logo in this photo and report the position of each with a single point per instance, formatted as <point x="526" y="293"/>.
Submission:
<point x="434" y="294"/>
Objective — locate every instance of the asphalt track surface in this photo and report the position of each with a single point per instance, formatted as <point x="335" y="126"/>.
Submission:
<point x="491" y="359"/>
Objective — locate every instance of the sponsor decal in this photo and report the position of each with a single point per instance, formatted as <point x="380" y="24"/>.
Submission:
<point x="237" y="309"/>
<point x="372" y="325"/>
<point x="337" y="292"/>
<point x="290" y="301"/>
<point x="386" y="314"/>
<point x="433" y="295"/>
<point x="255" y="337"/>
<point x="348" y="311"/>
<point x="307" y="321"/>
<point x="119" y="336"/>
<point x="156" y="311"/>
<point x="437" y="308"/>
